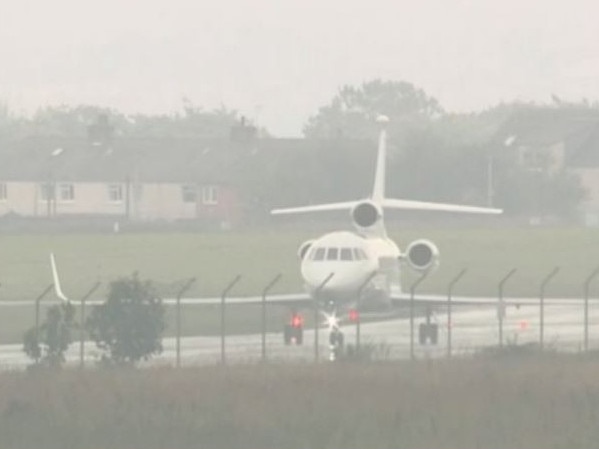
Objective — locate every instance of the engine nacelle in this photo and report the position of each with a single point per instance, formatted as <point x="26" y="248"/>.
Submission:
<point x="304" y="248"/>
<point x="366" y="214"/>
<point x="422" y="255"/>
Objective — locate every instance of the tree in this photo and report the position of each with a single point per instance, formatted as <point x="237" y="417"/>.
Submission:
<point x="352" y="112"/>
<point x="128" y="326"/>
<point x="49" y="343"/>
<point x="192" y="122"/>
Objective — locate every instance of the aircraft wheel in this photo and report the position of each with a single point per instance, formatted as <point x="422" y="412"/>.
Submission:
<point x="422" y="334"/>
<point x="434" y="333"/>
<point x="299" y="335"/>
<point x="287" y="334"/>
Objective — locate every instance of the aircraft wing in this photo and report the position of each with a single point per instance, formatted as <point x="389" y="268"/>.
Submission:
<point x="291" y="299"/>
<point x="403" y="300"/>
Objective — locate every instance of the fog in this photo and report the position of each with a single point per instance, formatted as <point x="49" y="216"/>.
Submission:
<point x="277" y="62"/>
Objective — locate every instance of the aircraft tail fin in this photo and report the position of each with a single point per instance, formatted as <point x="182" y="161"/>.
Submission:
<point x="378" y="199"/>
<point x="378" y="190"/>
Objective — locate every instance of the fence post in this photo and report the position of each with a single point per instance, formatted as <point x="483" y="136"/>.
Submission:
<point x="587" y="283"/>
<point x="316" y="326"/>
<point x="358" y="306"/>
<point x="412" y="289"/>
<point x="270" y="285"/>
<point x="82" y="324"/>
<point x="223" y="330"/>
<point x="37" y="316"/>
<point x="542" y="306"/>
<point x="449" y="297"/>
<point x="180" y="294"/>
<point x="501" y="304"/>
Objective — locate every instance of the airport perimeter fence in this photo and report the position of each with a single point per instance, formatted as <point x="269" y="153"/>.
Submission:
<point x="451" y="327"/>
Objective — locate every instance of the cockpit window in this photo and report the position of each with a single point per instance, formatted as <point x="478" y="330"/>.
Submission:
<point x="346" y="254"/>
<point x="318" y="254"/>
<point x="333" y="254"/>
<point x="359" y="254"/>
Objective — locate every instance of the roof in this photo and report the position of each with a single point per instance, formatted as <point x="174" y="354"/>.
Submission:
<point x="166" y="160"/>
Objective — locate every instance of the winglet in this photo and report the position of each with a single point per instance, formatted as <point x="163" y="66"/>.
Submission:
<point x="57" y="288"/>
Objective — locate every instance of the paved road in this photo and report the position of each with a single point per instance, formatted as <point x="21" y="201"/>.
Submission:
<point x="471" y="331"/>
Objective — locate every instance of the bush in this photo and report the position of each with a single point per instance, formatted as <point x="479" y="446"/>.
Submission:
<point x="128" y="326"/>
<point x="49" y="343"/>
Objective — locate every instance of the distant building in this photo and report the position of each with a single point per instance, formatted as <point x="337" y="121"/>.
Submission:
<point x="169" y="179"/>
<point x="551" y="140"/>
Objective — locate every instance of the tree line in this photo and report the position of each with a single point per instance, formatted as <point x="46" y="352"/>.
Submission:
<point x="434" y="154"/>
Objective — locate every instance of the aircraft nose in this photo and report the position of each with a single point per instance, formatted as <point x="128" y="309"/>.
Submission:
<point x="335" y="279"/>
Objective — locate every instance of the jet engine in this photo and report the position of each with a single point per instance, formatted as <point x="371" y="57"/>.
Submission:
<point x="366" y="214"/>
<point x="304" y="248"/>
<point x="422" y="255"/>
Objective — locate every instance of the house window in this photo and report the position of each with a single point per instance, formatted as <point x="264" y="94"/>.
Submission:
<point x="66" y="192"/>
<point x="3" y="193"/>
<point x="209" y="195"/>
<point x="115" y="193"/>
<point x="46" y="191"/>
<point x="188" y="193"/>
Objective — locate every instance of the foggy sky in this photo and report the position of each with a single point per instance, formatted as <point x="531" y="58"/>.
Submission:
<point x="277" y="61"/>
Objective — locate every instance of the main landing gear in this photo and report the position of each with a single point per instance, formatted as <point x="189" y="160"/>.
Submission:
<point x="427" y="331"/>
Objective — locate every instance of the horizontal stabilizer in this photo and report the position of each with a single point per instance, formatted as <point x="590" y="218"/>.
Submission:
<point x="441" y="207"/>
<point x="388" y="203"/>
<point x="316" y="208"/>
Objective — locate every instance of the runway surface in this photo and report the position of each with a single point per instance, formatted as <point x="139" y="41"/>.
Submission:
<point x="471" y="330"/>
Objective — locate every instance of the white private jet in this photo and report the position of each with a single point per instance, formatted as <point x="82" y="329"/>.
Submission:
<point x="343" y="267"/>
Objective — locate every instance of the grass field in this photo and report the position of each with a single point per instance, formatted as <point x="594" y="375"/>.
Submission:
<point x="215" y="258"/>
<point x="548" y="401"/>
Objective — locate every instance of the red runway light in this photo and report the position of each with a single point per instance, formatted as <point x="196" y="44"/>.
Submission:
<point x="297" y="321"/>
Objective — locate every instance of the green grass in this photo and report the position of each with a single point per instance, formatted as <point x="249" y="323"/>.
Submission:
<point x="216" y="258"/>
<point x="545" y="401"/>
<point x="489" y="254"/>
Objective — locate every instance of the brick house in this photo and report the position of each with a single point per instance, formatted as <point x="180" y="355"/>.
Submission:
<point x="141" y="180"/>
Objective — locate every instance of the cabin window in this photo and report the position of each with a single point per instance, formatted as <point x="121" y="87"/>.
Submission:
<point x="318" y="254"/>
<point x="333" y="254"/>
<point x="3" y="191"/>
<point x="346" y="254"/>
<point x="115" y="193"/>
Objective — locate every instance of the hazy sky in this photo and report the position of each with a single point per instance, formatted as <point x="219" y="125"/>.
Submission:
<point x="277" y="61"/>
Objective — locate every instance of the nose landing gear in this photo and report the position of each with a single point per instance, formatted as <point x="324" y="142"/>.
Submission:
<point x="336" y="344"/>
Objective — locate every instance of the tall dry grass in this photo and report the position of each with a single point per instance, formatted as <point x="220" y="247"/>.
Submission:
<point x="549" y="401"/>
